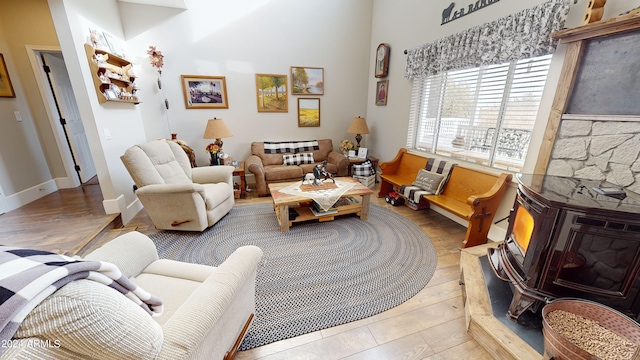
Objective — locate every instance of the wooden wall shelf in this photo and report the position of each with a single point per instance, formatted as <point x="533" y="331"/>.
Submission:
<point x="113" y="71"/>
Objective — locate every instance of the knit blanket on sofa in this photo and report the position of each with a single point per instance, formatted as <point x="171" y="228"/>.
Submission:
<point x="28" y="276"/>
<point x="271" y="147"/>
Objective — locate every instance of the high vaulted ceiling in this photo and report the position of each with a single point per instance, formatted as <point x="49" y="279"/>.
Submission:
<point x="178" y="4"/>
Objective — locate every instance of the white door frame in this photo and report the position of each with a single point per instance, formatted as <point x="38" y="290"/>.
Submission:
<point x="4" y="207"/>
<point x="71" y="179"/>
<point x="67" y="109"/>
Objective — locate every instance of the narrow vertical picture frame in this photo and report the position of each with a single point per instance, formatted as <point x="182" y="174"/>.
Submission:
<point x="382" y="92"/>
<point x="6" y="88"/>
<point x="271" y="93"/>
<point x="308" y="112"/>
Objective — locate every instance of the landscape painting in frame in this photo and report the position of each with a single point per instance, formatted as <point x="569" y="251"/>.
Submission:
<point x="6" y="89"/>
<point x="307" y="81"/>
<point x="308" y="112"/>
<point x="271" y="91"/>
<point x="204" y="92"/>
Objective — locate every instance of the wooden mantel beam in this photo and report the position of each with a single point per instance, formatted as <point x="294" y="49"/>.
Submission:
<point x="575" y="38"/>
<point x="599" y="28"/>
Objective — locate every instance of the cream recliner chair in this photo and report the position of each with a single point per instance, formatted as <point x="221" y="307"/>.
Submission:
<point x="207" y="310"/>
<point x="176" y="196"/>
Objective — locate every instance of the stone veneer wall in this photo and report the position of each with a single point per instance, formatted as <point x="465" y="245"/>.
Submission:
<point x="598" y="150"/>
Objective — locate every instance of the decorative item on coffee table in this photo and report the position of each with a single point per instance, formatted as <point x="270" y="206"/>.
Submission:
<point x="284" y="199"/>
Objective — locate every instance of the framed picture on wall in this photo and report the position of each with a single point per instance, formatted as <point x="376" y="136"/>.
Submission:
<point x="308" y="112"/>
<point x="204" y="92"/>
<point x="114" y="45"/>
<point x="6" y="89"/>
<point x="307" y="80"/>
<point x="110" y="94"/>
<point x="382" y="91"/>
<point x="271" y="92"/>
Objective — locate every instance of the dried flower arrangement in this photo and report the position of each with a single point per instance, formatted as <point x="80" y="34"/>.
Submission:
<point x="156" y="58"/>
<point x="346" y="145"/>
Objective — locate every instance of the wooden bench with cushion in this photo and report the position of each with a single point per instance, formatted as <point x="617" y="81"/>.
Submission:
<point x="470" y="194"/>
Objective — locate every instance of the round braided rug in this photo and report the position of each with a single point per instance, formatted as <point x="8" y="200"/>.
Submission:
<point x="317" y="275"/>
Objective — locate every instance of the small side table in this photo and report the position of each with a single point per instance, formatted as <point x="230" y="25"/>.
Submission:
<point x="356" y="161"/>
<point x="239" y="171"/>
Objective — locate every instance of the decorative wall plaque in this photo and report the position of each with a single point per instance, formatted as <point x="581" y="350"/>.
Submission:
<point x="448" y="14"/>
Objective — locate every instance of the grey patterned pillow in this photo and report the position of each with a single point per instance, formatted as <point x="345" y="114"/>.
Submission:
<point x="428" y="181"/>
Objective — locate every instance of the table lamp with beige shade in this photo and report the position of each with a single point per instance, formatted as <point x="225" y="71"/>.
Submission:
<point x="358" y="126"/>
<point x="216" y="129"/>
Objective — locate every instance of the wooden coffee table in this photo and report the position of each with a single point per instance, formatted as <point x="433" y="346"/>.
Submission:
<point x="282" y="202"/>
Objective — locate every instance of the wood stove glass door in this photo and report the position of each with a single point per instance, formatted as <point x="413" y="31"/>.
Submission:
<point x="597" y="258"/>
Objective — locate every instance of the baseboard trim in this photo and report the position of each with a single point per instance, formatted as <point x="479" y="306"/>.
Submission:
<point x="67" y="183"/>
<point x="33" y="193"/>
<point x="131" y="211"/>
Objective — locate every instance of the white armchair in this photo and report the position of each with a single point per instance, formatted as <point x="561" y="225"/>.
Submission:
<point x="176" y="196"/>
<point x="207" y="309"/>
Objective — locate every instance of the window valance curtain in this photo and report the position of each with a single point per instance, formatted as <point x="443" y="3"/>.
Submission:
<point x="518" y="36"/>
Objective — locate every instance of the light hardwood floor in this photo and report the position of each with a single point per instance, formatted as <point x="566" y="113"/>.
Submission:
<point x="431" y="325"/>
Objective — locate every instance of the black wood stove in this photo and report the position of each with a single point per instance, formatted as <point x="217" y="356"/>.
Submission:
<point x="567" y="239"/>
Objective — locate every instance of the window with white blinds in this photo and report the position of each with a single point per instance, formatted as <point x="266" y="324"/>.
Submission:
<point x="484" y="115"/>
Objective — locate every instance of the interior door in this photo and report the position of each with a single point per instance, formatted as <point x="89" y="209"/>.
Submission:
<point x="68" y="108"/>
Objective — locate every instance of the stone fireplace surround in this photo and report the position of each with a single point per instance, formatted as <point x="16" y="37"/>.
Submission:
<point x="597" y="149"/>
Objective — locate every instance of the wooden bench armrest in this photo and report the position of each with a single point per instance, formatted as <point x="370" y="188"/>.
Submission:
<point x="484" y="209"/>
<point x="496" y="191"/>
<point x="391" y="167"/>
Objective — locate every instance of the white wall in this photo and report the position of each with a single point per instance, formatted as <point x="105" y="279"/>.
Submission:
<point x="30" y="163"/>
<point x="407" y="24"/>
<point x="237" y="39"/>
<point x="73" y="19"/>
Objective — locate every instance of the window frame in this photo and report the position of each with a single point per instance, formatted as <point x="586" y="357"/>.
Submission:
<point x="429" y="97"/>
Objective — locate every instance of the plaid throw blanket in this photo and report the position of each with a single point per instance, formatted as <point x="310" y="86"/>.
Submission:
<point x="413" y="193"/>
<point x="28" y="276"/>
<point x="439" y="167"/>
<point x="290" y="146"/>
